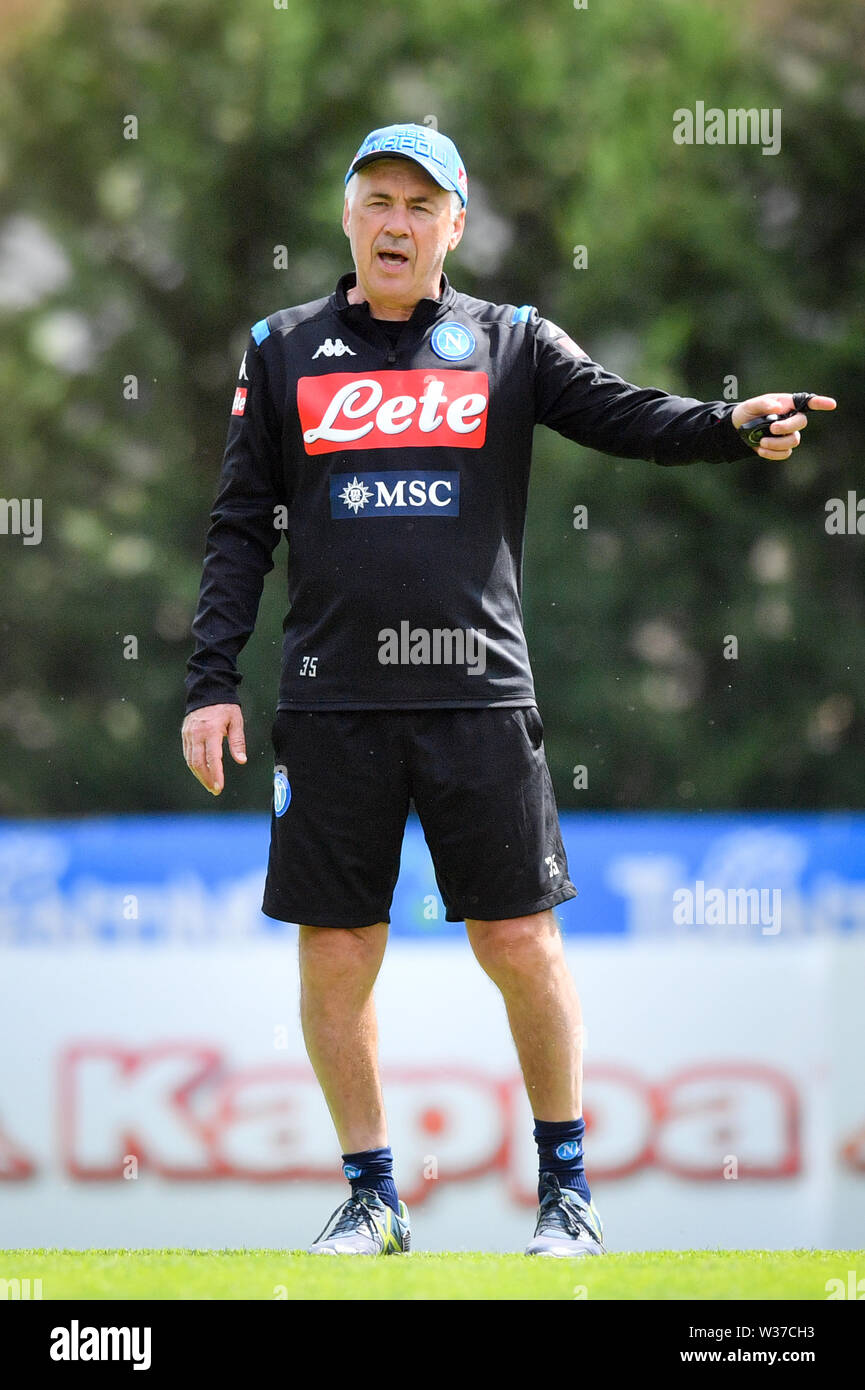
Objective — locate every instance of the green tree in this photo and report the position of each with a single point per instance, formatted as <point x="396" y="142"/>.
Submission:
<point x="155" y="160"/>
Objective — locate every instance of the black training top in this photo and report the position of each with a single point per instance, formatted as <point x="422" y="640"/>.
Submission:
<point x="398" y="472"/>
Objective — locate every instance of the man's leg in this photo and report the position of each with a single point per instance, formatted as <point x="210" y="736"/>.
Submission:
<point x="334" y="858"/>
<point x="524" y="957"/>
<point x="338" y="969"/>
<point x="485" y="798"/>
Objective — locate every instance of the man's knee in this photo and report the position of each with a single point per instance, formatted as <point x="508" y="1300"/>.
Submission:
<point x="515" y="945"/>
<point x="330" y="954"/>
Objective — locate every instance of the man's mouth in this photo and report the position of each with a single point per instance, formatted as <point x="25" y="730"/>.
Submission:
<point x="394" y="258"/>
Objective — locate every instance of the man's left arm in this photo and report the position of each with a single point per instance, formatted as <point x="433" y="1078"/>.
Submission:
<point x="581" y="400"/>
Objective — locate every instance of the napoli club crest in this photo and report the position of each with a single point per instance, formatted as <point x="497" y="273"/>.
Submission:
<point x="452" y="341"/>
<point x="281" y="792"/>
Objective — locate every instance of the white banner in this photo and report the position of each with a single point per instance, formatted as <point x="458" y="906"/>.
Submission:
<point x="161" y="1097"/>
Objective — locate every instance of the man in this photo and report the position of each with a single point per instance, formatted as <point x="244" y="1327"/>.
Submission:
<point x="387" y="429"/>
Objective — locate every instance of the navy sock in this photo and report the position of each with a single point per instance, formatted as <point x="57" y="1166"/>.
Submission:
<point x="560" y="1151"/>
<point x="373" y="1170"/>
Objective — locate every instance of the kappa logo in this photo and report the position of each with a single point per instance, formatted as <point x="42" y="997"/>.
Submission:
<point x="241" y="375"/>
<point x="373" y="494"/>
<point x="333" y="347"/>
<point x="393" y="410"/>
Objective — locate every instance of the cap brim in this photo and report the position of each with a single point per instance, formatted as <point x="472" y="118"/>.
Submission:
<point x="410" y="159"/>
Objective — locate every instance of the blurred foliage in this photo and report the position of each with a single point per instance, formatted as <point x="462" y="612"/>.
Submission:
<point x="150" y="257"/>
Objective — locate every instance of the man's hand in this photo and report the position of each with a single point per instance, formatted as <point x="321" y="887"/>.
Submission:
<point x="202" y="733"/>
<point x="784" y="435"/>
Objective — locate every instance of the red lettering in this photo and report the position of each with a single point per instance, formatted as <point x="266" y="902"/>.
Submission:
<point x="186" y="1114"/>
<point x="14" y="1162"/>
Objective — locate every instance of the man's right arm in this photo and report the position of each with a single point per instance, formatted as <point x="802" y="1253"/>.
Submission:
<point x="239" y="553"/>
<point x="241" y="540"/>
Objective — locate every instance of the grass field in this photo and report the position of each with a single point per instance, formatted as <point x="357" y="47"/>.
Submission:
<point x="287" y="1274"/>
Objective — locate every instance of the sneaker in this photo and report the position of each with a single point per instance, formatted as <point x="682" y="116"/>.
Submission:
<point x="567" y="1225"/>
<point x="365" y="1225"/>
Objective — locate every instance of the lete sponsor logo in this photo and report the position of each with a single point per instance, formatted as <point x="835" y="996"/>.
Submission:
<point x="393" y="410"/>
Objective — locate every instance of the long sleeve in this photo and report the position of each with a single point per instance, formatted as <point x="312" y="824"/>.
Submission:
<point x="241" y="540"/>
<point x="584" y="402"/>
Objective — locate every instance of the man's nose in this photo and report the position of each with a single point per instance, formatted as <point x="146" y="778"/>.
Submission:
<point x="396" y="223"/>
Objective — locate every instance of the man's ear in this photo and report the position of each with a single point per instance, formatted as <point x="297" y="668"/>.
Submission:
<point x="345" y="215"/>
<point x="456" y="235"/>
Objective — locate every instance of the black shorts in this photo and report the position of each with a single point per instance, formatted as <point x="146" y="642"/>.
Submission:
<point x="482" y="791"/>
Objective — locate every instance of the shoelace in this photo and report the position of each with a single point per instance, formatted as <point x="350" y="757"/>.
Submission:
<point x="352" y="1213"/>
<point x="560" y="1214"/>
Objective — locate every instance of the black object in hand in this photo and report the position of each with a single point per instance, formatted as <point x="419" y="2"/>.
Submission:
<point x="754" y="430"/>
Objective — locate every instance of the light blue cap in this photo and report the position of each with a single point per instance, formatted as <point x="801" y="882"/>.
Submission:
<point x="430" y="149"/>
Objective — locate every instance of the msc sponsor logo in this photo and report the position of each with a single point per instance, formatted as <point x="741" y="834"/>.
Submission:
<point x="413" y="493"/>
<point x="393" y="410"/>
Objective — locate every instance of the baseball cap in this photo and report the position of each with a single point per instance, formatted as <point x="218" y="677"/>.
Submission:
<point x="427" y="147"/>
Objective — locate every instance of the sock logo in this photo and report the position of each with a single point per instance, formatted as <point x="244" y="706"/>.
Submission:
<point x="350" y="1171"/>
<point x="568" y="1150"/>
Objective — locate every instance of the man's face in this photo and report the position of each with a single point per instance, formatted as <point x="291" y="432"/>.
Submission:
<point x="401" y="225"/>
